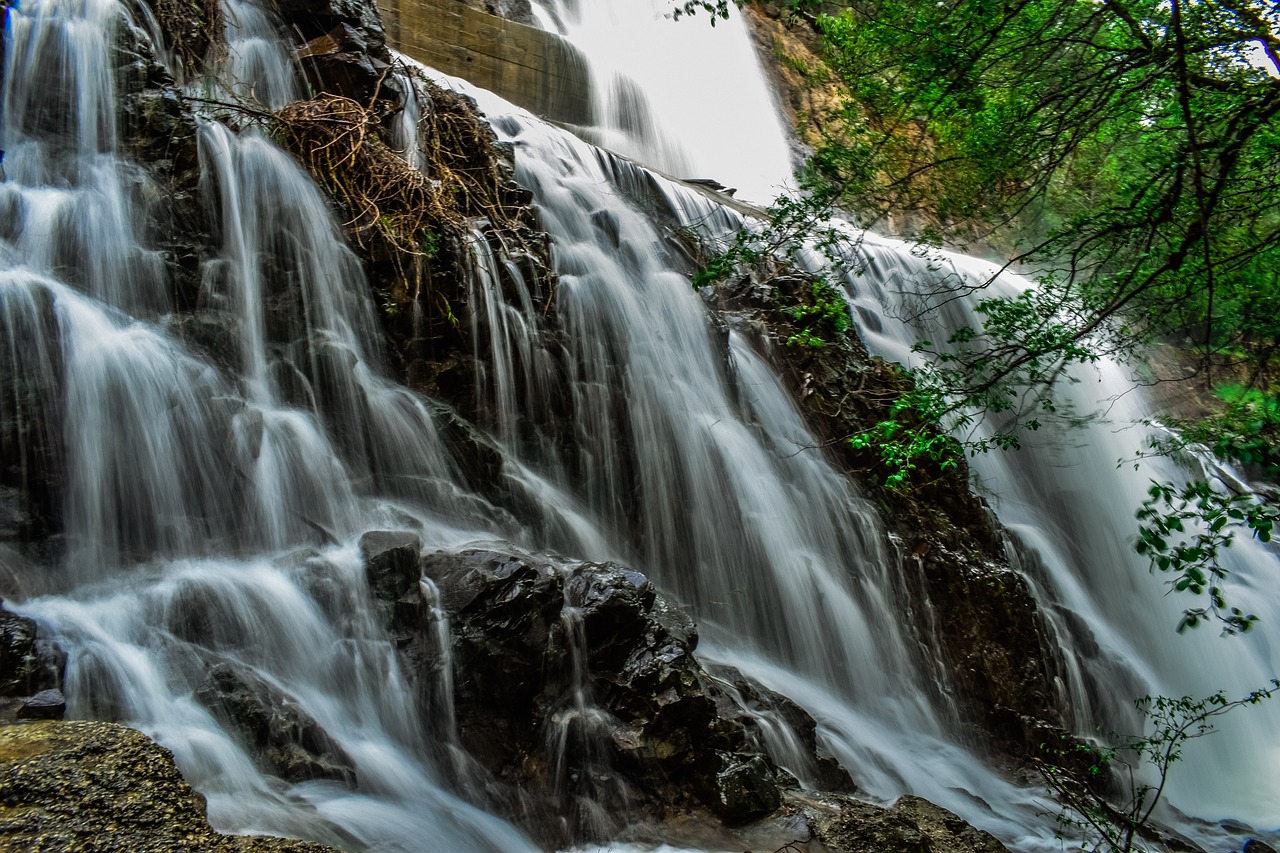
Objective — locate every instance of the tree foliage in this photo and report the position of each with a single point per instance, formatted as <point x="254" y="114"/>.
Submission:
<point x="1125" y="154"/>
<point x="1128" y="151"/>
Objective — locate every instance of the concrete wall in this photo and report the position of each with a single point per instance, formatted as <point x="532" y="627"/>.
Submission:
<point x="531" y="68"/>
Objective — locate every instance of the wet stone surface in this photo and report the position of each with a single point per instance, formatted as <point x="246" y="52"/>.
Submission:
<point x="84" y="786"/>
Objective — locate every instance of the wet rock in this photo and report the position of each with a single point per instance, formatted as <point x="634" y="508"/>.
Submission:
<point x="645" y="714"/>
<point x="749" y="701"/>
<point x="613" y="603"/>
<point x="479" y="458"/>
<point x="992" y="643"/>
<point x="17" y="653"/>
<point x="339" y="62"/>
<point x="503" y="610"/>
<point x="745" y="788"/>
<point x="392" y="563"/>
<point x="1253" y="845"/>
<point x="393" y="568"/>
<point x="947" y="832"/>
<point x="45" y="705"/>
<point x="313" y="20"/>
<point x="82" y="786"/>
<point x="214" y="333"/>
<point x="27" y="663"/>
<point x="911" y="825"/>
<point x="282" y="736"/>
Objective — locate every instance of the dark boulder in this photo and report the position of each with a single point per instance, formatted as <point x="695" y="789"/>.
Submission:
<point x="27" y="662"/>
<point x="503" y="611"/>
<point x="571" y="678"/>
<point x="18" y="663"/>
<point x="393" y="569"/>
<point x="312" y="20"/>
<point x="392" y="563"/>
<point x="745" y="787"/>
<point x="45" y="705"/>
<point x="340" y="63"/>
<point x="283" y="737"/>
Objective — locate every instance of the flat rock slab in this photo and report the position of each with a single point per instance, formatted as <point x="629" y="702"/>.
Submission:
<point x="82" y="786"/>
<point x="45" y="705"/>
<point x="911" y="825"/>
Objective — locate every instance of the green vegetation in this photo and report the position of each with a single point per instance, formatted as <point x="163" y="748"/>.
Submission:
<point x="1126" y="152"/>
<point x="1183" y="530"/>
<point x="826" y="311"/>
<point x="1125" y="155"/>
<point x="908" y="439"/>
<point x="1140" y="765"/>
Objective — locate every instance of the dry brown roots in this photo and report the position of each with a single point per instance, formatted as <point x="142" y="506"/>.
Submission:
<point x="396" y="213"/>
<point x="339" y="142"/>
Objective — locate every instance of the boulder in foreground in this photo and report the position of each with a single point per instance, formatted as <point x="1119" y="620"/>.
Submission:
<point x="101" y="787"/>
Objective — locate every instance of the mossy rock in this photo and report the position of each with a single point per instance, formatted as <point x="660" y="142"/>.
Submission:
<point x="86" y="786"/>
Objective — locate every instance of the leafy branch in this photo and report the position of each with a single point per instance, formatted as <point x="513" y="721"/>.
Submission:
<point x="1184" y="530"/>
<point x="1111" y="827"/>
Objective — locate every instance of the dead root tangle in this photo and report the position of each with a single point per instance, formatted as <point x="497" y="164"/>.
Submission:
<point x="397" y="214"/>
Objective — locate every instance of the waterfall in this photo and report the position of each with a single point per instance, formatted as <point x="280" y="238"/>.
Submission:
<point x="214" y="509"/>
<point x="1067" y="504"/>
<point x="787" y="565"/>
<point x="688" y="99"/>
<point x="210" y="512"/>
<point x="1068" y="499"/>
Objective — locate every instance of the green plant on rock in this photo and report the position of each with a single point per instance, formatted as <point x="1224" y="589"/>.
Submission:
<point x="1138" y="766"/>
<point x="909" y="439"/>
<point x="826" y="314"/>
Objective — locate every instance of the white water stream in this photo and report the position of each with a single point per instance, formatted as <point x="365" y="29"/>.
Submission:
<point x="687" y="98"/>
<point x="199" y="489"/>
<point x="1069" y="506"/>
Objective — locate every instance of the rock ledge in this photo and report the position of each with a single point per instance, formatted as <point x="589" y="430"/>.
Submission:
<point x="84" y="786"/>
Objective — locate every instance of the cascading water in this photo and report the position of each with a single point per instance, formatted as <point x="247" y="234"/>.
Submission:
<point x="1069" y="506"/>
<point x="1073" y="546"/>
<point x="689" y="100"/>
<point x="223" y="504"/>
<point x="166" y="462"/>
<point x="1070" y="509"/>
